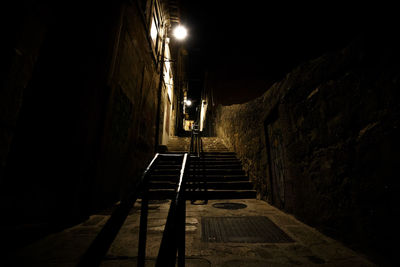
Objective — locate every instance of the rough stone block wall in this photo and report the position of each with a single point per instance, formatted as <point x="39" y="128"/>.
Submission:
<point x="323" y="142"/>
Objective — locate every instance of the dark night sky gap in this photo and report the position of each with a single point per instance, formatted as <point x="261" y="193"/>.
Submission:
<point x="245" y="49"/>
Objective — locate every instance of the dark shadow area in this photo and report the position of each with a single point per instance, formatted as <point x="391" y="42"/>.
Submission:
<point x="100" y="245"/>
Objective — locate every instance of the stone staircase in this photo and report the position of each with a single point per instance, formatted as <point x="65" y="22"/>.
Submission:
<point x="210" y="144"/>
<point x="219" y="171"/>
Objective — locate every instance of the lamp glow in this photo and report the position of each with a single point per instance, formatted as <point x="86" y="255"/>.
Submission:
<point x="188" y="103"/>
<point x="180" y="32"/>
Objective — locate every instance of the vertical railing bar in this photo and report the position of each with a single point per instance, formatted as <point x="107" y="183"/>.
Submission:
<point x="181" y="202"/>
<point x="182" y="232"/>
<point x="198" y="180"/>
<point x="143" y="229"/>
<point x="144" y="214"/>
<point x="204" y="172"/>
<point x="170" y="244"/>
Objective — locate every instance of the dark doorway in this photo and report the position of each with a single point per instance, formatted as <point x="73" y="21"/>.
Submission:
<point x="275" y="155"/>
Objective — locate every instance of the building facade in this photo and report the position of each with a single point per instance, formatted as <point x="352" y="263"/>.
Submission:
<point x="89" y="95"/>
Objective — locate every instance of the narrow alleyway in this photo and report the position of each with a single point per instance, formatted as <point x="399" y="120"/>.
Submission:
<point x="224" y="232"/>
<point x="297" y="107"/>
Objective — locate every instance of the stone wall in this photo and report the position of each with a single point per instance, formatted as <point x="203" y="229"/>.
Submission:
<point x="323" y="145"/>
<point x="129" y="131"/>
<point x="77" y="110"/>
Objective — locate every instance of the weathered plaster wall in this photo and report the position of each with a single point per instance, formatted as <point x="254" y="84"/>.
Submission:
<point x="323" y="142"/>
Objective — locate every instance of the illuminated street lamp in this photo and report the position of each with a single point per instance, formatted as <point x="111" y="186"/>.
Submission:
<point x="188" y="103"/>
<point x="180" y="32"/>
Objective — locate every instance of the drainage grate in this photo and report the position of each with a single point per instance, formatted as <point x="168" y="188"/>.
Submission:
<point x="229" y="206"/>
<point x="251" y="229"/>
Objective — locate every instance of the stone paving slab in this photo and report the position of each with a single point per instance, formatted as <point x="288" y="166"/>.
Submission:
<point x="310" y="248"/>
<point x="64" y="248"/>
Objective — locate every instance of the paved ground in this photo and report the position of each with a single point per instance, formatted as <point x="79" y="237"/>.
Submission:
<point x="309" y="249"/>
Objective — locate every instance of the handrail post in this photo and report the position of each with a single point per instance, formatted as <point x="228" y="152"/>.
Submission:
<point x="197" y="151"/>
<point x="192" y="139"/>
<point x="182" y="230"/>
<point x="144" y="213"/>
<point x="143" y="227"/>
<point x="202" y="159"/>
<point x="173" y="239"/>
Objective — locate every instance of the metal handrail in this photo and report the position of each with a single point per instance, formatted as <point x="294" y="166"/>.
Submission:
<point x="196" y="152"/>
<point x="150" y="166"/>
<point x="175" y="221"/>
<point x="173" y="239"/>
<point x="196" y="144"/>
<point x="175" y="224"/>
<point x="102" y="242"/>
<point x="144" y="213"/>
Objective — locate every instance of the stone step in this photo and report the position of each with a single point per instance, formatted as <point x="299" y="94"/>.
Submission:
<point x="162" y="185"/>
<point x="207" y="163"/>
<point x="219" y="160"/>
<point x="196" y="162"/>
<point x="216" y="165"/>
<point x="207" y="171"/>
<point x="158" y="194"/>
<point x="206" y="158"/>
<point x="222" y="170"/>
<point x="228" y="185"/>
<point x="206" y="153"/>
<point x="168" y="166"/>
<point x="199" y="167"/>
<point x="221" y="194"/>
<point x="209" y="177"/>
<point x="165" y="172"/>
<point x="219" y="153"/>
<point x="225" y="185"/>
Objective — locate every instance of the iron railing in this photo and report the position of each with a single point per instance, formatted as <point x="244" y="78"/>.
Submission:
<point x="144" y="212"/>
<point x="196" y="144"/>
<point x="197" y="178"/>
<point x="100" y="245"/>
<point x="173" y="239"/>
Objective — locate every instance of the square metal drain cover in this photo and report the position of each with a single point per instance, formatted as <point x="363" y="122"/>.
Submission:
<point x="249" y="229"/>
